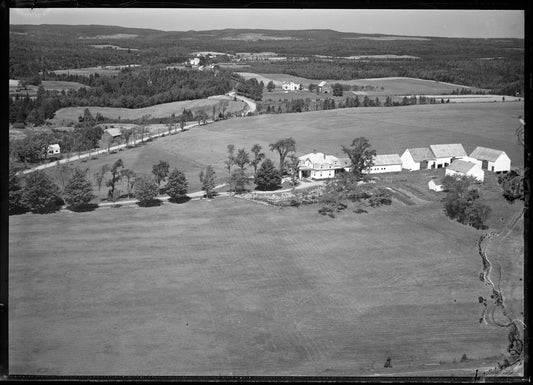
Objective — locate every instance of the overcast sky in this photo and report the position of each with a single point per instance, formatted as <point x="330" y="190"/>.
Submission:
<point x="446" y="23"/>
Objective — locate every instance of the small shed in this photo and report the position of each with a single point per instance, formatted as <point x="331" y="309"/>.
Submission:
<point x="386" y="163"/>
<point x="462" y="167"/>
<point x="324" y="87"/>
<point x="491" y="160"/>
<point x="435" y="185"/>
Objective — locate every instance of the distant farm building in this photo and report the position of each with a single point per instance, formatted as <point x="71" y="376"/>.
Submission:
<point x="290" y="86"/>
<point x="386" y="163"/>
<point x="435" y="185"/>
<point x="54" y="149"/>
<point x="461" y="167"/>
<point x="324" y="87"/>
<point x="317" y="165"/>
<point x="491" y="160"/>
<point x="194" y="61"/>
<point x="434" y="156"/>
<point x="14" y="83"/>
<point x="110" y="135"/>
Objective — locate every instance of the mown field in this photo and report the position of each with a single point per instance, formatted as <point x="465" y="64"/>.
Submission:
<point x="389" y="129"/>
<point x="391" y="86"/>
<point x="231" y="287"/>
<point x="71" y="114"/>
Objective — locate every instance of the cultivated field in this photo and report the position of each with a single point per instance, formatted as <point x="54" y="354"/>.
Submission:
<point x="389" y="129"/>
<point x="71" y="114"/>
<point x="391" y="86"/>
<point x="230" y="287"/>
<point x="88" y="71"/>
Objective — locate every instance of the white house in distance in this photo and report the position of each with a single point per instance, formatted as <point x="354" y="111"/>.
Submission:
<point x="54" y="149"/>
<point x="317" y="165"/>
<point x="290" y="86"/>
<point x="386" y="163"/>
<point x="462" y="167"/>
<point x="194" y="61"/>
<point x="445" y="154"/>
<point x="418" y="159"/>
<point x="491" y="160"/>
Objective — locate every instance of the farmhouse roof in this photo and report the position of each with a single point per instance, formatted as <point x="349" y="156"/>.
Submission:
<point x="345" y="162"/>
<point x="388" y="159"/>
<point x="483" y="153"/>
<point x="421" y="154"/>
<point x="462" y="166"/>
<point x="447" y="150"/>
<point x="114" y="132"/>
<point x="321" y="159"/>
<point x="322" y="83"/>
<point x="54" y="146"/>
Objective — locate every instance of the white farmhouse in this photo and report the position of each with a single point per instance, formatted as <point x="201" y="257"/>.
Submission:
<point x="461" y="167"/>
<point x="318" y="165"/>
<point x="445" y="154"/>
<point x="491" y="160"/>
<point x="418" y="159"/>
<point x="194" y="61"/>
<point x="53" y="149"/>
<point x="290" y="86"/>
<point x="386" y="163"/>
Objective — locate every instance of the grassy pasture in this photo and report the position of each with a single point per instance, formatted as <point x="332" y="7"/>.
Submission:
<point x="390" y="130"/>
<point x="391" y="86"/>
<point x="231" y="287"/>
<point x="71" y="114"/>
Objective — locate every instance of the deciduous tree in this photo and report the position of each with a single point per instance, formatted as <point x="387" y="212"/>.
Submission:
<point x="231" y="157"/>
<point x="361" y="155"/>
<point x="242" y="158"/>
<point x="160" y="171"/>
<point x="15" y="194"/>
<point x="146" y="190"/>
<point x="177" y="185"/>
<point x="114" y="179"/>
<point x="40" y="194"/>
<point x="258" y="156"/>
<point x="207" y="179"/>
<point x="78" y="190"/>
<point x="283" y="147"/>
<point x="239" y="180"/>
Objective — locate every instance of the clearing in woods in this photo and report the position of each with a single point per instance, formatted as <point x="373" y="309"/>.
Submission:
<point x="229" y="287"/>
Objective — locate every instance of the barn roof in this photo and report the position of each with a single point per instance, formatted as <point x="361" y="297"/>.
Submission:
<point x="421" y="154"/>
<point x="483" y="153"/>
<point x="462" y="166"/>
<point x="322" y="83"/>
<point x="345" y="162"/>
<point x="113" y="132"/>
<point x="447" y="150"/>
<point x="388" y="159"/>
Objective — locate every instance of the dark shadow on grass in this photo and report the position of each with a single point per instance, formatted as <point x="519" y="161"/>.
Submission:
<point x="150" y="203"/>
<point x="84" y="208"/>
<point x="181" y="199"/>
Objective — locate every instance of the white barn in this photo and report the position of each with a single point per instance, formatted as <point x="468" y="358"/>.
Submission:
<point x="462" y="167"/>
<point x="418" y="159"/>
<point x="445" y="154"/>
<point x="491" y="160"/>
<point x="318" y="165"/>
<point x="386" y="163"/>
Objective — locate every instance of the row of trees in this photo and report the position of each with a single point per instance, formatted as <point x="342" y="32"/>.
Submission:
<point x="250" y="88"/>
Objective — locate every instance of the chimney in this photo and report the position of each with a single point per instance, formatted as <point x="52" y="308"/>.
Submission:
<point x="324" y="156"/>
<point x="314" y="150"/>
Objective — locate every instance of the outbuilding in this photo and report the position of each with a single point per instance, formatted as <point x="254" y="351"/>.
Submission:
<point x="435" y="185"/>
<point x="491" y="160"/>
<point x="445" y="154"/>
<point x="386" y="163"/>
<point x="54" y="149"/>
<point x="418" y="159"/>
<point x="462" y="167"/>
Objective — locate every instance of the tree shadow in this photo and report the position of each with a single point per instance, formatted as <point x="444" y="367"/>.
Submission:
<point x="151" y="203"/>
<point x="180" y="199"/>
<point x="84" y="208"/>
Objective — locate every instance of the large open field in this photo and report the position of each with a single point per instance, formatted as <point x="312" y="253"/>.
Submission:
<point x="230" y="287"/>
<point x="391" y="86"/>
<point x="389" y="129"/>
<point x="71" y="114"/>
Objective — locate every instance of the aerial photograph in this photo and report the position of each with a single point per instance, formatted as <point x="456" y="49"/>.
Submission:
<point x="260" y="193"/>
